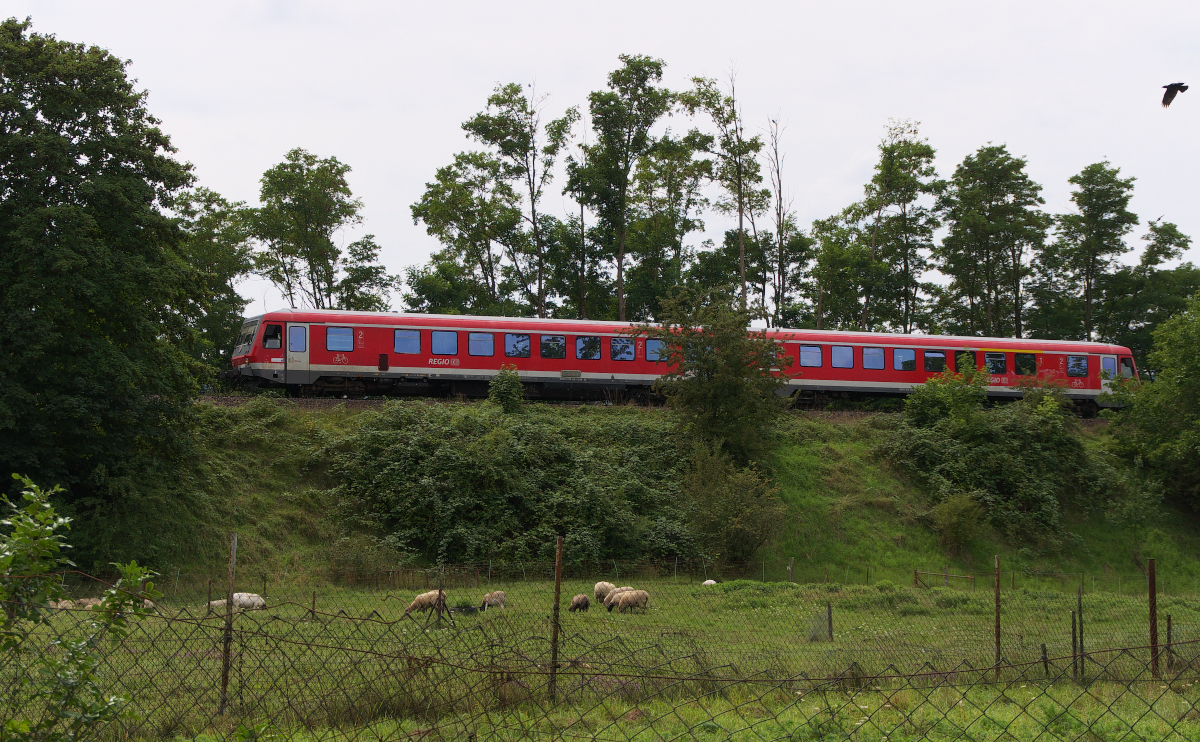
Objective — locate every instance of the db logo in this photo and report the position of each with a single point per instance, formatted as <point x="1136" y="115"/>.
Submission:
<point x="443" y="361"/>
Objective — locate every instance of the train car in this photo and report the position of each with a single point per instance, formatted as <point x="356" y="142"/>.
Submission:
<point x="322" y="352"/>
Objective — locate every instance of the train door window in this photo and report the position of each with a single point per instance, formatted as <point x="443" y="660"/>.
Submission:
<point x="654" y="349"/>
<point x="965" y="360"/>
<point x="408" y="341"/>
<point x="1077" y="366"/>
<point x="873" y="358"/>
<point x="297" y="339"/>
<point x="339" y="338"/>
<point x="273" y="337"/>
<point x="810" y="355"/>
<point x="1126" y="367"/>
<point x="1024" y="364"/>
<point x="1108" y="366"/>
<point x="481" y="344"/>
<point x="935" y="361"/>
<point x="995" y="363"/>
<point x="841" y="356"/>
<point x="444" y="343"/>
<point x="554" y="346"/>
<point x="516" y="346"/>
<point x="904" y="359"/>
<point x="621" y="349"/>
<point x="587" y="348"/>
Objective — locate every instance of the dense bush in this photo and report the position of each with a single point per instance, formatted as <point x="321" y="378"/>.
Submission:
<point x="468" y="482"/>
<point x="1020" y="462"/>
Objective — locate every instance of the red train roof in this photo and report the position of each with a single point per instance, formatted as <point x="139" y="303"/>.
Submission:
<point x="575" y="327"/>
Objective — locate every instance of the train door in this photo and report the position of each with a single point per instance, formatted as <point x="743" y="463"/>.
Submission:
<point x="1108" y="370"/>
<point x="297" y="353"/>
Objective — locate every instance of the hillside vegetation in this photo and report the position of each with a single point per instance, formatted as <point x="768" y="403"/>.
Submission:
<point x="312" y="489"/>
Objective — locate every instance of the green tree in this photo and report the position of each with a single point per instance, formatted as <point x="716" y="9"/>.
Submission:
<point x="512" y="126"/>
<point x="991" y="208"/>
<point x="621" y="119"/>
<point x="1135" y="299"/>
<point x="738" y="170"/>
<point x="723" y="379"/>
<point x="95" y="387"/>
<point x="365" y="285"/>
<point x="1072" y="268"/>
<point x="305" y="202"/>
<point x="217" y="246"/>
<point x="732" y="511"/>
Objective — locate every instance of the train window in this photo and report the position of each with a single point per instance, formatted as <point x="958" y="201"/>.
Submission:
<point x="621" y="349"/>
<point x="935" y="361"/>
<point x="810" y="355"/>
<point x="273" y="337"/>
<point x="516" y="346"/>
<point x="1025" y="364"/>
<point x="408" y="341"/>
<point x="444" y="343"/>
<point x="654" y="349"/>
<point x="554" y="346"/>
<point x="873" y="358"/>
<point x="1127" y="368"/>
<point x="587" y="348"/>
<point x="965" y="360"/>
<point x="995" y="363"/>
<point x="246" y="338"/>
<point x="1077" y="366"/>
<point x="1108" y="366"/>
<point x="841" y="356"/>
<point x="297" y="338"/>
<point x="339" y="338"/>
<point x="481" y="344"/>
<point x="904" y="359"/>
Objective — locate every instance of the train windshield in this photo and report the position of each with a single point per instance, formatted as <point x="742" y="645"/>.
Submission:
<point x="246" y="336"/>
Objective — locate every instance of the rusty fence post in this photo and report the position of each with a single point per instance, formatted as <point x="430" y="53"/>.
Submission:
<point x="313" y="612"/>
<point x="1153" y="588"/>
<point x="829" y="618"/>
<point x="1082" y="651"/>
<point x="997" y="617"/>
<point x="554" y="622"/>
<point x="1074" y="648"/>
<point x="228" y="644"/>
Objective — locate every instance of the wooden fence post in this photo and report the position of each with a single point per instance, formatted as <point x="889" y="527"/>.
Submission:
<point x="829" y="618"/>
<point x="1082" y="651"/>
<point x="1153" y="588"/>
<point x="554" y="624"/>
<point x="1074" y="648"/>
<point x="997" y="616"/>
<point x="228" y="643"/>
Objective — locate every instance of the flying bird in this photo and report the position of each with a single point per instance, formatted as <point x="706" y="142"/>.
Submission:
<point x="1172" y="90"/>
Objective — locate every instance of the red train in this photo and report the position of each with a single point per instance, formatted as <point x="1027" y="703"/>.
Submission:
<point x="357" y="353"/>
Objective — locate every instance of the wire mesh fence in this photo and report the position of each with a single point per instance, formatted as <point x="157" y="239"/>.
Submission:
<point x="361" y="657"/>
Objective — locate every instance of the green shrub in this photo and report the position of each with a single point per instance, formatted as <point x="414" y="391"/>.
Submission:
<point x="506" y="390"/>
<point x="956" y="520"/>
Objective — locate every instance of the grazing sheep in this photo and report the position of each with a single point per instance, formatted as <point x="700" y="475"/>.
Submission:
<point x="492" y="600"/>
<point x="613" y="595"/>
<point x="602" y="590"/>
<point x="427" y="602"/>
<point x="630" y="600"/>
<point x="580" y="603"/>
<point x="709" y="582"/>
<point x="62" y="605"/>
<point x="241" y="602"/>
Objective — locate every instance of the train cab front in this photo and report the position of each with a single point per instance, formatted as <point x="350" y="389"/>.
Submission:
<point x="258" y="354"/>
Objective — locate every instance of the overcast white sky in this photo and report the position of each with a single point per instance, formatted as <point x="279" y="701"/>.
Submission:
<point x="385" y="86"/>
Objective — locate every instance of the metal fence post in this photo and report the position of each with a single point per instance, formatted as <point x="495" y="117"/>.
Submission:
<point x="829" y="618"/>
<point x="1082" y="655"/>
<point x="1074" y="648"/>
<point x="1153" y="586"/>
<point x="228" y="644"/>
<point x="554" y="623"/>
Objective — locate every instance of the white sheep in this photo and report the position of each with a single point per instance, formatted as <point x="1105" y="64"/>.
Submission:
<point x="427" y="602"/>
<point x="580" y="603"/>
<point x="492" y="600"/>
<point x="709" y="582"/>
<point x="611" y="598"/>
<point x="602" y="590"/>
<point x="630" y="600"/>
<point x="241" y="602"/>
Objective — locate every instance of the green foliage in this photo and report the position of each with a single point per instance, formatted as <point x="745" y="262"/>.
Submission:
<point x="1160" y="425"/>
<point x="95" y="386"/>
<point x="456" y="483"/>
<point x="956" y="520"/>
<point x="32" y="543"/>
<point x="506" y="390"/>
<point x="719" y="377"/>
<point x="732" y="511"/>
<point x="1022" y="462"/>
<point x="947" y="395"/>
